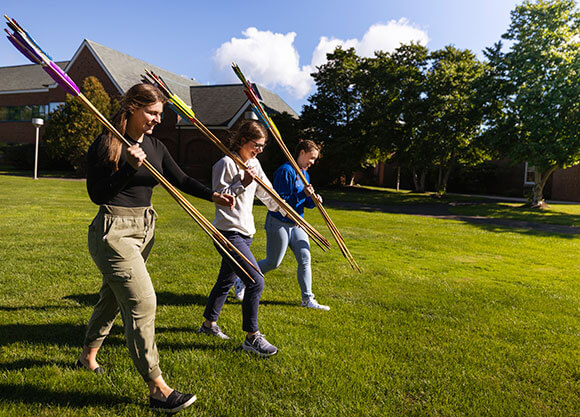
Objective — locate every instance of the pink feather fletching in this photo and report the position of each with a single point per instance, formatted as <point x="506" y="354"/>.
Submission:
<point x="56" y="76"/>
<point x="66" y="78"/>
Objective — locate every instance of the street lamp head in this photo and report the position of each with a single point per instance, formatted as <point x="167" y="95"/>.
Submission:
<point x="37" y="122"/>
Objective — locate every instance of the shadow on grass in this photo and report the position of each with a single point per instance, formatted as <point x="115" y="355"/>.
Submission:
<point x="37" y="308"/>
<point x="55" y="334"/>
<point x="493" y="224"/>
<point x="33" y="363"/>
<point x="497" y="225"/>
<point x="164" y="298"/>
<point x="279" y="303"/>
<point x="31" y="394"/>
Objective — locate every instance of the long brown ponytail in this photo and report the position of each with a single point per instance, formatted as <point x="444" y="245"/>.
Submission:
<point x="140" y="95"/>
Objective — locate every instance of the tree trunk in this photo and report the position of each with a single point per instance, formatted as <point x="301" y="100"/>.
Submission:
<point x="415" y="180"/>
<point x="538" y="188"/>
<point x="351" y="182"/>
<point x="423" y="179"/>
<point x="439" y="178"/>
<point x="443" y="188"/>
<point x="398" y="177"/>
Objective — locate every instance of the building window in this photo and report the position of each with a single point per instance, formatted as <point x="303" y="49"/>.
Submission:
<point x="54" y="106"/>
<point x="530" y="175"/>
<point x="22" y="113"/>
<point x="14" y="113"/>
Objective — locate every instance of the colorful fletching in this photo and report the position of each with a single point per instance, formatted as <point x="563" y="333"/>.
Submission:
<point x="22" y="49"/>
<point x="31" y="50"/>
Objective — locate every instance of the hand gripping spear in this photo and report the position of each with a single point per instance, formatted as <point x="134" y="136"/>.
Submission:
<point x="31" y="50"/>
<point x="184" y="111"/>
<point x="260" y="111"/>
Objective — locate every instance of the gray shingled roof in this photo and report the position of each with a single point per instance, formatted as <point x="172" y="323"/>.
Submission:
<point x="126" y="70"/>
<point x="216" y="105"/>
<point x="26" y="77"/>
<point x="274" y="102"/>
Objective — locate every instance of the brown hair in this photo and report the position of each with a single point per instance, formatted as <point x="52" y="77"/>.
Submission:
<point x="248" y="130"/>
<point x="307" y="145"/>
<point x="140" y="95"/>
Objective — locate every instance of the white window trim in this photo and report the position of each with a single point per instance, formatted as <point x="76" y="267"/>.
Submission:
<point x="526" y="182"/>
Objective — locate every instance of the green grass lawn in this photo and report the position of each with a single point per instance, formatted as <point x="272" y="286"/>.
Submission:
<point x="447" y="319"/>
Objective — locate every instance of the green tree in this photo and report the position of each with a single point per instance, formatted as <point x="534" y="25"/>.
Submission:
<point x="332" y="115"/>
<point x="538" y="84"/>
<point x="289" y="128"/>
<point x="72" y="128"/>
<point x="455" y="117"/>
<point x="394" y="109"/>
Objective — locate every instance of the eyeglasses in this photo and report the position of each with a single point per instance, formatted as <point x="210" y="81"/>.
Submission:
<point x="258" y="146"/>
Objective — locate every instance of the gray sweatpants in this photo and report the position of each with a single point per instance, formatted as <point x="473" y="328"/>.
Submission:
<point x="120" y="239"/>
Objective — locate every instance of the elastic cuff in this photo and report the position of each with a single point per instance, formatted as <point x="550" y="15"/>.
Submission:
<point x="154" y="373"/>
<point x="94" y="343"/>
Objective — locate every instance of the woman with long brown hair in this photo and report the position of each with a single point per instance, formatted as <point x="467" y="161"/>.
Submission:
<point x="121" y="236"/>
<point x="237" y="225"/>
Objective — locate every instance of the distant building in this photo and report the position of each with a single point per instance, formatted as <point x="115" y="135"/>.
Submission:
<point x="26" y="92"/>
<point x="504" y="179"/>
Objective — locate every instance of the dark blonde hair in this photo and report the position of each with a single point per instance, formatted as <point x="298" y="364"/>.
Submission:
<point x="248" y="130"/>
<point x="307" y="145"/>
<point x="140" y="95"/>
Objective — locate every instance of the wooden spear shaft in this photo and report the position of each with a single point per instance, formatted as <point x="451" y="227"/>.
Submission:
<point x="331" y="226"/>
<point x="314" y="234"/>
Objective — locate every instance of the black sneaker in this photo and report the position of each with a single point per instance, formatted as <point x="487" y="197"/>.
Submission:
<point x="99" y="370"/>
<point x="259" y="345"/>
<point x="213" y="331"/>
<point x="174" y="403"/>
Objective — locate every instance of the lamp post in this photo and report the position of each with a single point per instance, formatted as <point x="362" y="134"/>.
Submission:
<point x="37" y="123"/>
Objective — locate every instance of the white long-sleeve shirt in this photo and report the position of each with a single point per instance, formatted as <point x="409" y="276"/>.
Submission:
<point x="227" y="178"/>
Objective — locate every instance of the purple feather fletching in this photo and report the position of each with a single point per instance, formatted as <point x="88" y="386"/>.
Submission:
<point x="65" y="76"/>
<point x="29" y="48"/>
<point x="23" y="50"/>
<point x="59" y="80"/>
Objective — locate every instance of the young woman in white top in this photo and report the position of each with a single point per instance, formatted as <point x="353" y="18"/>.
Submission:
<point x="237" y="225"/>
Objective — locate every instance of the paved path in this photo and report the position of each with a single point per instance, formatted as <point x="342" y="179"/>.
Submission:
<point x="441" y="211"/>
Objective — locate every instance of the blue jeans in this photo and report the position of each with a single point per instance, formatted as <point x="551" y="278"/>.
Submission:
<point x="225" y="281"/>
<point x="281" y="235"/>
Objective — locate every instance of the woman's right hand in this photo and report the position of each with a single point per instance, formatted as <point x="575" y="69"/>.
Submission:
<point x="249" y="175"/>
<point x="135" y="156"/>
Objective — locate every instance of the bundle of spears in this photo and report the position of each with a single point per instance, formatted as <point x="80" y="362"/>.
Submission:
<point x="260" y="111"/>
<point x="182" y="109"/>
<point x="31" y="50"/>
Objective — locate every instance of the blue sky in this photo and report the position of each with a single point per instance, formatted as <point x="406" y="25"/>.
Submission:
<point x="275" y="43"/>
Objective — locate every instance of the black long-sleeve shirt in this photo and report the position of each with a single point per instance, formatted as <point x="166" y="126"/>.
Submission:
<point x="128" y="187"/>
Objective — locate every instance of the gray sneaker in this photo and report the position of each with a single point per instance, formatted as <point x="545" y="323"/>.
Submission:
<point x="259" y="345"/>
<point x="213" y="331"/>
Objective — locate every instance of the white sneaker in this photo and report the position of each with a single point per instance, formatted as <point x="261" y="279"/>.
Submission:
<point x="312" y="303"/>
<point x="239" y="289"/>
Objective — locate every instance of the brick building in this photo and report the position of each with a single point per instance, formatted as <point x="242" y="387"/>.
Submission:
<point x="26" y="92"/>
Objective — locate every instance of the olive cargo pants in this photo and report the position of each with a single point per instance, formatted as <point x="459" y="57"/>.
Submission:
<point x="120" y="240"/>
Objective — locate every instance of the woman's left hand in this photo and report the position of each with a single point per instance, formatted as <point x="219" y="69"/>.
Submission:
<point x="319" y="198"/>
<point x="309" y="190"/>
<point x="224" y="200"/>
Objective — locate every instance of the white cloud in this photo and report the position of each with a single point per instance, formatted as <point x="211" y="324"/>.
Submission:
<point x="268" y="58"/>
<point x="389" y="37"/>
<point x="272" y="60"/>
